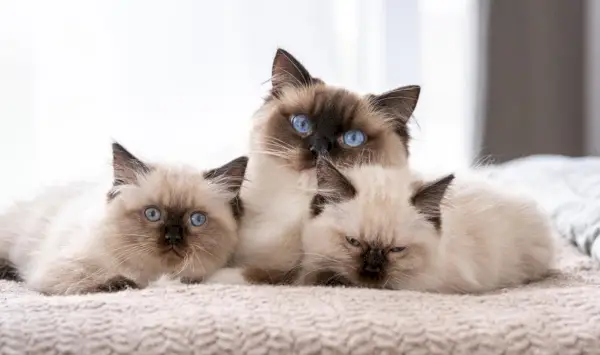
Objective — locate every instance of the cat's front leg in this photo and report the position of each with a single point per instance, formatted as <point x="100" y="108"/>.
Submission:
<point x="8" y="271"/>
<point x="306" y="277"/>
<point x="68" y="276"/>
<point x="228" y="275"/>
<point x="114" y="284"/>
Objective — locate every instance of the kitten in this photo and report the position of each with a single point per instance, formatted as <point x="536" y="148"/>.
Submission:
<point x="372" y="227"/>
<point x="154" y="220"/>
<point x="301" y="119"/>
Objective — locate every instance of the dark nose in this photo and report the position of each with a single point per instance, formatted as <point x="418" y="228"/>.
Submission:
<point x="374" y="260"/>
<point x="320" y="147"/>
<point x="174" y="235"/>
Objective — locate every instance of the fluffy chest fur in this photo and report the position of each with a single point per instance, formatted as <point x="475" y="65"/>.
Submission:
<point x="276" y="206"/>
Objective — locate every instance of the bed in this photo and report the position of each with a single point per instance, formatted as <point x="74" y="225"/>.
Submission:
<point x="560" y="315"/>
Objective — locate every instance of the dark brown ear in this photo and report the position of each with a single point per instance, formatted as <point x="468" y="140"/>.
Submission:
<point x="230" y="174"/>
<point x="400" y="102"/>
<point x="428" y="198"/>
<point x="287" y="71"/>
<point x="333" y="186"/>
<point x="126" y="167"/>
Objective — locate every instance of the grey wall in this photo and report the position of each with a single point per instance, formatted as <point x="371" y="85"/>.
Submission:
<point x="533" y="65"/>
<point x="592" y="67"/>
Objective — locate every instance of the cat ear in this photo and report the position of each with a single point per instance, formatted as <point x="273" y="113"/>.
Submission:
<point x="126" y="167"/>
<point x="230" y="174"/>
<point x="333" y="186"/>
<point x="287" y="71"/>
<point x="428" y="198"/>
<point x="400" y="102"/>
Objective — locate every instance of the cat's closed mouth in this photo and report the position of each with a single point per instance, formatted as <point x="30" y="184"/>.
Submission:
<point x="174" y="251"/>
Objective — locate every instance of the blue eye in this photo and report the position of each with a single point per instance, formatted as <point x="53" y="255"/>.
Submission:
<point x="301" y="124"/>
<point x="397" y="249"/>
<point x="197" y="219"/>
<point x="354" y="138"/>
<point x="152" y="214"/>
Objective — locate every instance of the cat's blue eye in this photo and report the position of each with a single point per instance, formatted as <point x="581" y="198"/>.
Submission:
<point x="397" y="249"/>
<point x="301" y="124"/>
<point x="197" y="219"/>
<point x="152" y="214"/>
<point x="353" y="241"/>
<point x="354" y="138"/>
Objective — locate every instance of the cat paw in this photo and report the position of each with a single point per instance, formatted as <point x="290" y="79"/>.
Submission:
<point x="191" y="281"/>
<point x="116" y="284"/>
<point x="228" y="276"/>
<point x="9" y="272"/>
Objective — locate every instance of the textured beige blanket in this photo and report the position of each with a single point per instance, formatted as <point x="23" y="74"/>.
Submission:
<point x="558" y="316"/>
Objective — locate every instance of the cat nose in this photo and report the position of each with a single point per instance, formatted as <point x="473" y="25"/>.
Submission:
<point x="174" y="235"/>
<point x="374" y="260"/>
<point x="320" y="147"/>
<point x="174" y="239"/>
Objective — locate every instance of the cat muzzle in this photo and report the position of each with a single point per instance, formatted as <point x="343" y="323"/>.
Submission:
<point x="320" y="146"/>
<point x="174" y="235"/>
<point x="174" y="239"/>
<point x="374" y="261"/>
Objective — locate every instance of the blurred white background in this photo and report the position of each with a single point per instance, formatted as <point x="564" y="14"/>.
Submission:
<point x="179" y="80"/>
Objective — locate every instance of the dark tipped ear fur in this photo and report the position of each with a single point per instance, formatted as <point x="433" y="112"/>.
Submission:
<point x="287" y="71"/>
<point x="333" y="186"/>
<point x="428" y="198"/>
<point x="400" y="102"/>
<point x="126" y="167"/>
<point x="232" y="174"/>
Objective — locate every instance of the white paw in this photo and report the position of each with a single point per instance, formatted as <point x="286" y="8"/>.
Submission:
<point x="228" y="276"/>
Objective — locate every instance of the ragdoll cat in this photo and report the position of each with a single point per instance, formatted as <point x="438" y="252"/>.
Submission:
<point x="375" y="227"/>
<point x="153" y="220"/>
<point x="301" y="119"/>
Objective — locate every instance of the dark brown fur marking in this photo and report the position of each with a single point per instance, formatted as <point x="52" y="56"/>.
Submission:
<point x="8" y="271"/>
<point x="116" y="284"/>
<point x="333" y="187"/>
<point x="428" y="198"/>
<point x="332" y="111"/>
<point x="256" y="275"/>
<point x="126" y="168"/>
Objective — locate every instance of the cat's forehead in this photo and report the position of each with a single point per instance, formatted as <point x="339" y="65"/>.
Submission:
<point x="327" y="103"/>
<point x="180" y="190"/>
<point x="381" y="210"/>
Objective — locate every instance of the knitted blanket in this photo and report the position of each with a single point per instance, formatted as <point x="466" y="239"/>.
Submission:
<point x="560" y="315"/>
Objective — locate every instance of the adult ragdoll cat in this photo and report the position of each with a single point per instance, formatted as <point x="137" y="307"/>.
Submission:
<point x="372" y="227"/>
<point x="153" y="220"/>
<point x="304" y="118"/>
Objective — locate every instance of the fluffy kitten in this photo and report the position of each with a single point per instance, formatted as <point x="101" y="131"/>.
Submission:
<point x="304" y="118"/>
<point x="371" y="227"/>
<point x="155" y="220"/>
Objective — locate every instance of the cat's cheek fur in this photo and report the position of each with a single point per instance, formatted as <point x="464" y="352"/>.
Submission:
<point x="276" y="204"/>
<point x="324" y="248"/>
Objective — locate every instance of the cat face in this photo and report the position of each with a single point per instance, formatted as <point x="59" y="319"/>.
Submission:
<point x="372" y="228"/>
<point x="303" y="118"/>
<point x="174" y="220"/>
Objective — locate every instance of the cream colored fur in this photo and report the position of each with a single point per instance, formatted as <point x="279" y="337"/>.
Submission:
<point x="491" y="237"/>
<point x="277" y="197"/>
<point x="69" y="240"/>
